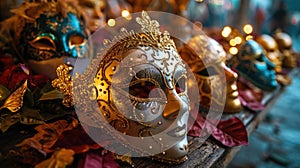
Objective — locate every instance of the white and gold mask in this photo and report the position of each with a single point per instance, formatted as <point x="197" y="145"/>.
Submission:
<point x="140" y="86"/>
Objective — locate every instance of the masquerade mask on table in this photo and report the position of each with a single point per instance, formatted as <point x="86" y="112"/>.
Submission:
<point x="49" y="32"/>
<point x="95" y="13"/>
<point x="216" y="81"/>
<point x="272" y="52"/>
<point x="252" y="64"/>
<point x="285" y="44"/>
<point x="141" y="91"/>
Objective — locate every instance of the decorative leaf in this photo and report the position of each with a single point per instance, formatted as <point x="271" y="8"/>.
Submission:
<point x="47" y="87"/>
<point x="59" y="159"/>
<point x="54" y="94"/>
<point x="8" y="120"/>
<point x="31" y="117"/>
<point x="38" y="81"/>
<point x="249" y="97"/>
<point x="47" y="135"/>
<point x="15" y="101"/>
<point x="78" y="145"/>
<point x="13" y="77"/>
<point x="6" y="61"/>
<point x="96" y="159"/>
<point x="29" y="101"/>
<point x="231" y="132"/>
<point x="53" y="109"/>
<point x="4" y="92"/>
<point x="196" y="130"/>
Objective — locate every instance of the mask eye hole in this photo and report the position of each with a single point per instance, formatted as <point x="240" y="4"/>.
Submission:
<point x="209" y="71"/>
<point x="180" y="85"/>
<point x="43" y="43"/>
<point x="76" y="40"/>
<point x="144" y="89"/>
<point x="260" y="58"/>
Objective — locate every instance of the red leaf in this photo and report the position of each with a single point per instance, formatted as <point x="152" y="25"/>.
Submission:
<point x="12" y="76"/>
<point x="38" y="81"/>
<point x="249" y="96"/>
<point x="196" y="129"/>
<point x="6" y="61"/>
<point x="78" y="145"/>
<point x="47" y="135"/>
<point x="231" y="132"/>
<point x="99" y="159"/>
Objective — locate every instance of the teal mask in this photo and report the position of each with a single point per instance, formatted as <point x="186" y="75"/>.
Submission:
<point x="253" y="64"/>
<point x="53" y="37"/>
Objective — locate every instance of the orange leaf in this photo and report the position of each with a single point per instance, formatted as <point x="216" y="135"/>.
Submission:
<point x="47" y="135"/>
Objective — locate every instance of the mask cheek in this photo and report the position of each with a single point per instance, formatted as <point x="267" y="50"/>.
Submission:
<point x="269" y="64"/>
<point x="78" y="51"/>
<point x="205" y="91"/>
<point x="37" y="54"/>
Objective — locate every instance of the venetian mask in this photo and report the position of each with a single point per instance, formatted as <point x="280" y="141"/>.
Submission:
<point x="216" y="81"/>
<point x="272" y="52"/>
<point x="141" y="90"/>
<point x="95" y="13"/>
<point x="252" y="63"/>
<point x="51" y="32"/>
<point x="285" y="43"/>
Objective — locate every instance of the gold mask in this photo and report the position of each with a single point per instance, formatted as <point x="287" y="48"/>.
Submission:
<point x="206" y="58"/>
<point x="285" y="43"/>
<point x="272" y="52"/>
<point x="141" y="91"/>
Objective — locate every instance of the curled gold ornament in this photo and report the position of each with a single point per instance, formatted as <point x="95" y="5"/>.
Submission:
<point x="63" y="83"/>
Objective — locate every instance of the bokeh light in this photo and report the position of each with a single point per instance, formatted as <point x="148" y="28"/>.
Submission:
<point x="111" y="22"/>
<point x="226" y="31"/>
<point x="233" y="50"/>
<point x="248" y="29"/>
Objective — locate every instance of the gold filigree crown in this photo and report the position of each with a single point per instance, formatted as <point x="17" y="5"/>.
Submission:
<point x="150" y="36"/>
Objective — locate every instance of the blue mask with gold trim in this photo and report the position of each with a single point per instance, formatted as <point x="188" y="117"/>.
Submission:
<point x="253" y="64"/>
<point x="53" y="37"/>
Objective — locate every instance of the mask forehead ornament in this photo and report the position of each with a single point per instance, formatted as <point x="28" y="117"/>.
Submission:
<point x="140" y="91"/>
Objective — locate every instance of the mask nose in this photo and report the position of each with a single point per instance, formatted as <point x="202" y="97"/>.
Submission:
<point x="97" y="13"/>
<point x="230" y="75"/>
<point x="270" y="65"/>
<point x="174" y="105"/>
